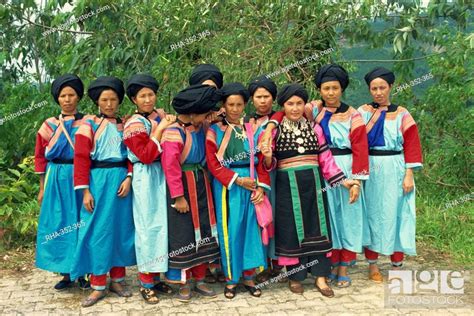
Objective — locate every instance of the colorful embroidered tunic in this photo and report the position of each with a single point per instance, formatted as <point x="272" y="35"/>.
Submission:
<point x="302" y="158"/>
<point x="100" y="164"/>
<point x="345" y="134"/>
<point x="228" y="157"/>
<point x="394" y="146"/>
<point x="149" y="192"/>
<point x="59" y="216"/>
<point x="192" y="236"/>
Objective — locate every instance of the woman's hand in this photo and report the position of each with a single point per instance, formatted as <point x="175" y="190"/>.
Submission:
<point x="257" y="196"/>
<point x="166" y="121"/>
<point x="88" y="200"/>
<point x="181" y="205"/>
<point x="266" y="139"/>
<point x="267" y="151"/>
<point x="40" y="196"/>
<point x="408" y="182"/>
<point x="246" y="183"/>
<point x="354" y="192"/>
<point x="124" y="187"/>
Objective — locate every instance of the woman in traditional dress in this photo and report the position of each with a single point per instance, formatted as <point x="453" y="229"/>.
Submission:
<point x="263" y="92"/>
<point x="142" y="136"/>
<point x="192" y="233"/>
<point x="302" y="158"/>
<point x="211" y="75"/>
<point x="60" y="204"/>
<point x="227" y="154"/>
<point x="103" y="173"/>
<point x="395" y="152"/>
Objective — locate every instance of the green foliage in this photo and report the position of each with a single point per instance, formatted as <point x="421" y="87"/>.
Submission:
<point x="19" y="209"/>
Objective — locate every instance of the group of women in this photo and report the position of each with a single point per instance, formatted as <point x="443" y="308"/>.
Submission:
<point x="153" y="191"/>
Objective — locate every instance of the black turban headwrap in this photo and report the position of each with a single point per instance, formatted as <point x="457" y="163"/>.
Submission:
<point x="205" y="72"/>
<point x="106" y="83"/>
<point x="235" y="88"/>
<point x="67" y="80"/>
<point x="139" y="81"/>
<point x="263" y="82"/>
<point x="289" y="90"/>
<point x="196" y="99"/>
<point x="332" y="72"/>
<point x="380" y="72"/>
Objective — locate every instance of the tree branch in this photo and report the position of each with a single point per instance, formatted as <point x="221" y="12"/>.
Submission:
<point x="392" y="60"/>
<point x="56" y="29"/>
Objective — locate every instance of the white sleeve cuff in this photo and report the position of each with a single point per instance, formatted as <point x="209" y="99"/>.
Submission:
<point x="236" y="175"/>
<point x="414" y="165"/>
<point x="157" y="144"/>
<point x="80" y="187"/>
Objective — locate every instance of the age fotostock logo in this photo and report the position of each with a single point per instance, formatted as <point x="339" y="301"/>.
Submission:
<point x="428" y="289"/>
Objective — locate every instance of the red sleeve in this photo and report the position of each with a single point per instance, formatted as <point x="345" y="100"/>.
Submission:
<point x="42" y="140"/>
<point x="146" y="148"/>
<point x="221" y="173"/>
<point x="129" y="167"/>
<point x="262" y="174"/>
<point x="278" y="117"/>
<point x="360" y="148"/>
<point x="40" y="160"/>
<point x="82" y="158"/>
<point x="172" y="144"/>
<point x="411" y="142"/>
<point x="412" y="147"/>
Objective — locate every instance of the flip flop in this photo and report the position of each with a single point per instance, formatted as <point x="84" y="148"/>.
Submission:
<point x="343" y="281"/>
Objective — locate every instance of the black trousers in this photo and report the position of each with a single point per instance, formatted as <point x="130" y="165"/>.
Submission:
<point x="317" y="265"/>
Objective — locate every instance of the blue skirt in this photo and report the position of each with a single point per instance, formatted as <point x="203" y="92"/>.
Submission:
<point x="59" y="220"/>
<point x="107" y="238"/>
<point x="349" y="225"/>
<point x="240" y="238"/>
<point x="391" y="213"/>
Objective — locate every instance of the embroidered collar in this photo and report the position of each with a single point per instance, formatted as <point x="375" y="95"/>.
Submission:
<point x="119" y="120"/>
<point x="77" y="116"/>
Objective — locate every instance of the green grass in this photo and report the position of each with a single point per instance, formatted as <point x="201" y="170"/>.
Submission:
<point x="449" y="230"/>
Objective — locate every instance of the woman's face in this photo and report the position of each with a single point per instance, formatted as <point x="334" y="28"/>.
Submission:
<point x="263" y="101"/>
<point x="108" y="102"/>
<point x="234" y="107"/>
<point x="331" y="93"/>
<point x="380" y="91"/>
<point x="145" y="100"/>
<point x="68" y="100"/>
<point x="294" y="108"/>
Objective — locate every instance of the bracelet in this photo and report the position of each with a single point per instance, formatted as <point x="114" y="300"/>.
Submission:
<point x="356" y="185"/>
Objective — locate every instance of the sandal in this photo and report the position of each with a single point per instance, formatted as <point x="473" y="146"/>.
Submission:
<point x="162" y="287"/>
<point x="89" y="301"/>
<point x="149" y="296"/>
<point x="230" y="292"/>
<point x="343" y="281"/>
<point x="202" y="289"/>
<point x="296" y="287"/>
<point x="122" y="293"/>
<point x="253" y="290"/>
<point x="182" y="295"/>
